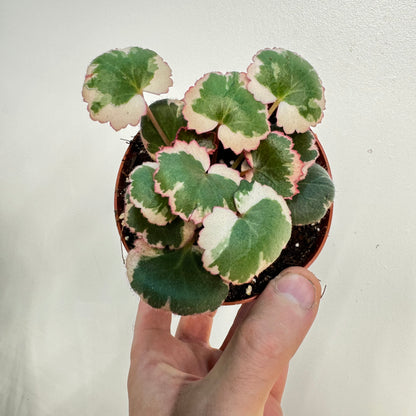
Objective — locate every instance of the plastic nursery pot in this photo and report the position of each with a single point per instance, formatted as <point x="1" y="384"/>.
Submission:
<point x="303" y="248"/>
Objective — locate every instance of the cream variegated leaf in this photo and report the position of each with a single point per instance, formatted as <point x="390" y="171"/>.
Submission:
<point x="115" y="82"/>
<point x="275" y="163"/>
<point x="174" y="234"/>
<point x="281" y="77"/>
<point x="238" y="246"/>
<point x="194" y="187"/>
<point x="142" y="195"/>
<point x="223" y="100"/>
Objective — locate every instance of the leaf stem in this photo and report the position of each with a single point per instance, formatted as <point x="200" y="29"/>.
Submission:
<point x="238" y="161"/>
<point x="216" y="144"/>
<point x="157" y="125"/>
<point x="244" y="172"/>
<point x="272" y="109"/>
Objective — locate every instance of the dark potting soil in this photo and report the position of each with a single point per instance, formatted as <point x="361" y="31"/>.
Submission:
<point x="301" y="248"/>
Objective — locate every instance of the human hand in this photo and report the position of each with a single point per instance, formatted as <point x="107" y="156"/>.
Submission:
<point x="182" y="375"/>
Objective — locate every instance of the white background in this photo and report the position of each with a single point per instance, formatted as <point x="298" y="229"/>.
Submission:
<point x="67" y="312"/>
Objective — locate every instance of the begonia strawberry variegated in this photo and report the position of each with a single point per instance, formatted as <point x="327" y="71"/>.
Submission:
<point x="228" y="170"/>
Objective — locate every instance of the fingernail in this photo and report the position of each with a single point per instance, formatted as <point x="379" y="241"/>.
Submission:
<point x="297" y="289"/>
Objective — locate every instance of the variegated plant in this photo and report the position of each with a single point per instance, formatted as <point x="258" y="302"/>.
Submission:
<point x="204" y="219"/>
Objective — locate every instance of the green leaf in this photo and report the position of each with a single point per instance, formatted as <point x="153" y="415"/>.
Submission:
<point x="116" y="80"/>
<point x="174" y="280"/>
<point x="192" y="186"/>
<point x="173" y="235"/>
<point x="283" y="77"/>
<point x="168" y="114"/>
<point x="142" y="194"/>
<point x="276" y="164"/>
<point x="316" y="194"/>
<point x="223" y="100"/>
<point x="206" y="140"/>
<point x="239" y="247"/>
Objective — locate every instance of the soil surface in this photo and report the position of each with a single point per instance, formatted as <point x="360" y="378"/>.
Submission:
<point x="305" y="240"/>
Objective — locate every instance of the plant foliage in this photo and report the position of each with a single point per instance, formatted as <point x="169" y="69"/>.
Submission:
<point x="217" y="204"/>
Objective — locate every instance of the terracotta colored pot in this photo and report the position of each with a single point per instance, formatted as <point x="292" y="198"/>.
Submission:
<point x="294" y="254"/>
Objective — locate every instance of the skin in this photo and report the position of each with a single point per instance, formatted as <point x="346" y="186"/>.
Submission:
<point x="183" y="375"/>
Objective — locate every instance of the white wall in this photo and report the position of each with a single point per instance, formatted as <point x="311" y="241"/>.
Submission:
<point x="66" y="311"/>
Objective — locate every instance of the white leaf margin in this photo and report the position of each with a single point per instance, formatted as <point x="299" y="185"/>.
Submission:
<point x="235" y="141"/>
<point x="188" y="231"/>
<point x="196" y="121"/>
<point x="219" y="224"/>
<point x="300" y="169"/>
<point x="157" y="218"/>
<point x="288" y="116"/>
<point x="131" y="112"/>
<point x="201" y="154"/>
<point x="140" y="250"/>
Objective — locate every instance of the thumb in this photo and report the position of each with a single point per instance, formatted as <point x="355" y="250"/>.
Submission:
<point x="261" y="347"/>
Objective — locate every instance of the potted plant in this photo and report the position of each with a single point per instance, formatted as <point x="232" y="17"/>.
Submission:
<point x="221" y="190"/>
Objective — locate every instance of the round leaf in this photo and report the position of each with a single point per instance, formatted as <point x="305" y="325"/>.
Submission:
<point x="316" y="194"/>
<point x="115" y="82"/>
<point x="223" y="100"/>
<point x="192" y="186"/>
<point x="174" y="280"/>
<point x="168" y="114"/>
<point x="239" y="247"/>
<point x="275" y="163"/>
<point x="281" y="76"/>
<point x="142" y="194"/>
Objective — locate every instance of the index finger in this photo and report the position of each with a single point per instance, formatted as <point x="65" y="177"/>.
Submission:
<point x="149" y="318"/>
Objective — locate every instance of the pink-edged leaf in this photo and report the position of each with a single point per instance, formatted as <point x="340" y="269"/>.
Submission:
<point x="223" y="99"/>
<point x="192" y="186"/>
<point x="173" y="235"/>
<point x="275" y="163"/>
<point x="305" y="145"/>
<point x="316" y="194"/>
<point x="116" y="80"/>
<point x="142" y="194"/>
<point x="238" y="246"/>
<point x="285" y="79"/>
